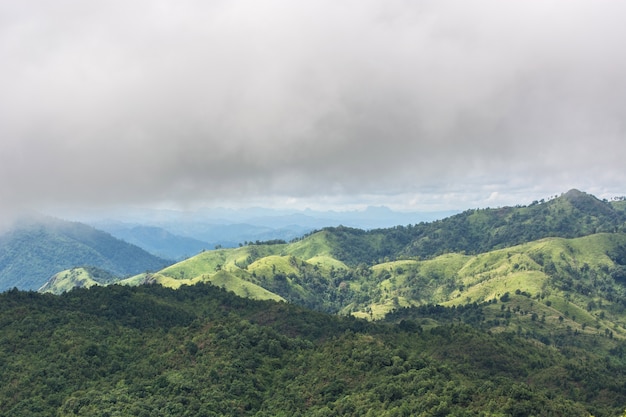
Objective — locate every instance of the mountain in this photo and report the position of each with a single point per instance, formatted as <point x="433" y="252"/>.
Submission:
<point x="156" y="240"/>
<point x="573" y="214"/>
<point x="177" y="234"/>
<point x="582" y="280"/>
<point x="34" y="250"/>
<point x="231" y="235"/>
<point x="180" y="240"/>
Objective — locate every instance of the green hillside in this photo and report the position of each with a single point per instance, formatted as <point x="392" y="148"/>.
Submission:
<point x="222" y="279"/>
<point x="571" y="274"/>
<point x="33" y="251"/>
<point x="578" y="284"/>
<point x="574" y="214"/>
<point x="200" y="351"/>
<point x="83" y="277"/>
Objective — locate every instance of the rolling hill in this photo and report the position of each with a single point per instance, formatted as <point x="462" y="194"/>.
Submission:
<point x="575" y="285"/>
<point x="78" y="277"/>
<point x="581" y="280"/>
<point x="544" y="288"/>
<point x="573" y="214"/>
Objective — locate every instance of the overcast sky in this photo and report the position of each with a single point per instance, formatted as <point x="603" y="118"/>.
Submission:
<point x="420" y="105"/>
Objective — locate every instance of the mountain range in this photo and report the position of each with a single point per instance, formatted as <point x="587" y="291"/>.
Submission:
<point x="570" y="251"/>
<point x="179" y="234"/>
<point x="512" y="311"/>
<point x="37" y="247"/>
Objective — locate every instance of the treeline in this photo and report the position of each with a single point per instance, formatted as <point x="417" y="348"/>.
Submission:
<point x="263" y="242"/>
<point x="199" y="351"/>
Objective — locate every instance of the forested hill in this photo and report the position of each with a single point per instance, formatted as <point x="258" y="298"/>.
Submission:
<point x="34" y="250"/>
<point x="573" y="214"/>
<point x="199" y="351"/>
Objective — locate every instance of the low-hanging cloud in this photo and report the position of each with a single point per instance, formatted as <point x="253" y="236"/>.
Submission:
<point x="126" y="102"/>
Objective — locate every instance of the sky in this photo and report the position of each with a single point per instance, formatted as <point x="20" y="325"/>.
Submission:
<point x="416" y="105"/>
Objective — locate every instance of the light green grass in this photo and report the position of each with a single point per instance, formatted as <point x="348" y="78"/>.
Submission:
<point x="210" y="262"/>
<point x="242" y="288"/>
<point x="326" y="262"/>
<point x="68" y="279"/>
<point x="223" y="279"/>
<point x="312" y="246"/>
<point x="273" y="264"/>
<point x="393" y="266"/>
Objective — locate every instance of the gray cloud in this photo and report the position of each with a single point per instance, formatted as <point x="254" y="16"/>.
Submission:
<point x="189" y="101"/>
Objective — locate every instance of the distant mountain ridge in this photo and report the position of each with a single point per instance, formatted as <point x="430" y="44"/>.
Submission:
<point x="368" y="218"/>
<point x="178" y="234"/>
<point x="156" y="240"/>
<point x="35" y="249"/>
<point x="573" y="214"/>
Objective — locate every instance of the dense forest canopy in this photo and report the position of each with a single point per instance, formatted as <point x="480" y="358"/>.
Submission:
<point x="200" y="351"/>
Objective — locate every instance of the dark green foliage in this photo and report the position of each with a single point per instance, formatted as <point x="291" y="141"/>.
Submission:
<point x="574" y="214"/>
<point x="267" y="242"/>
<point x="199" y="351"/>
<point x="32" y="252"/>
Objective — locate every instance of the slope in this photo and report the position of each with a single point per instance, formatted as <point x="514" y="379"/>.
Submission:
<point x="34" y="250"/>
<point x="308" y="272"/>
<point x="577" y="284"/>
<point x="80" y="277"/>
<point x="573" y="214"/>
<point x="265" y="271"/>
